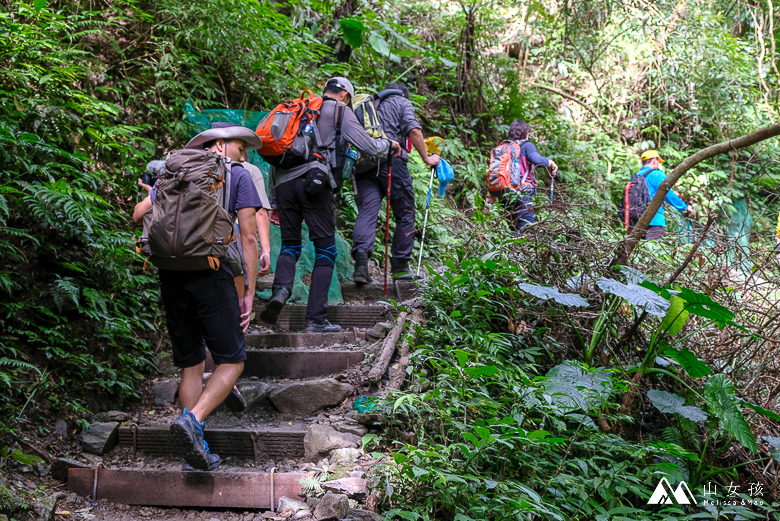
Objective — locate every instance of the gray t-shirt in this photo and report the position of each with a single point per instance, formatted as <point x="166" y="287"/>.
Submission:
<point x="398" y="119"/>
<point x="259" y="180"/>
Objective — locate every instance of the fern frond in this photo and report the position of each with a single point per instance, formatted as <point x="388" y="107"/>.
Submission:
<point x="64" y="289"/>
<point x="18" y="364"/>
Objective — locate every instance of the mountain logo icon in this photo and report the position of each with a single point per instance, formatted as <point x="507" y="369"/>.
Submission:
<point x="664" y="495"/>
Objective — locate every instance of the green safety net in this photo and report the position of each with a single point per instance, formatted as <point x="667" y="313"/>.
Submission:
<point x="197" y="121"/>
<point x="735" y="239"/>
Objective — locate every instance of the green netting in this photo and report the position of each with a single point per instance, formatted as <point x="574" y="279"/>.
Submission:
<point x="197" y="121"/>
<point x="736" y="238"/>
<point x="738" y="229"/>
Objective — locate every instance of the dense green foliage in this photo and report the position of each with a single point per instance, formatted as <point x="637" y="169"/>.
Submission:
<point x="507" y="420"/>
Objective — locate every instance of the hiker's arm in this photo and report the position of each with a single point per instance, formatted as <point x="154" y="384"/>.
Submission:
<point x="418" y="142"/>
<point x="264" y="231"/>
<point x="534" y="157"/>
<point x="673" y="199"/>
<point x="141" y="208"/>
<point x="246" y="223"/>
<point x="353" y="133"/>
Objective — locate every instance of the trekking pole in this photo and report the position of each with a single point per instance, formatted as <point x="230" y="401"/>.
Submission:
<point x="425" y="221"/>
<point x="552" y="188"/>
<point x="387" y="227"/>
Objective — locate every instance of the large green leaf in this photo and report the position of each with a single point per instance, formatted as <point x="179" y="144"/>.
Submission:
<point x="672" y="404"/>
<point x="552" y="293"/>
<point x="692" y="365"/>
<point x="703" y="306"/>
<point x="675" y="318"/>
<point x="719" y="392"/>
<point x="636" y="295"/>
<point x="353" y="31"/>
<point x="379" y="44"/>
<point x="571" y="387"/>
<point x="761" y="410"/>
<point x="773" y="442"/>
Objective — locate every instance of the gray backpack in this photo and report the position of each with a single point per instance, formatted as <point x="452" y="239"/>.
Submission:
<point x="189" y="228"/>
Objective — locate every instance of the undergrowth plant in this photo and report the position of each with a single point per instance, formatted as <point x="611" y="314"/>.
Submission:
<point x="506" y="427"/>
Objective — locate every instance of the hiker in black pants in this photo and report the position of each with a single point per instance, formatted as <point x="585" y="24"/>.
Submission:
<point x="202" y="307"/>
<point x="294" y="204"/>
<point x="396" y="114"/>
<point x="518" y="203"/>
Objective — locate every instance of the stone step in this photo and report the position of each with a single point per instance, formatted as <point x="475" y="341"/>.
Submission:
<point x="295" y="363"/>
<point x="266" y="340"/>
<point x="238" y="490"/>
<point x="293" y="317"/>
<point x="259" y="445"/>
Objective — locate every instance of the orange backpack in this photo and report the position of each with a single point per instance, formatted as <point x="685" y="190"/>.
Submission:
<point x="508" y="169"/>
<point x="289" y="132"/>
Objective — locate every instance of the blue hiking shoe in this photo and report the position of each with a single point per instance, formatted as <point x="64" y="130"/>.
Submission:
<point x="187" y="432"/>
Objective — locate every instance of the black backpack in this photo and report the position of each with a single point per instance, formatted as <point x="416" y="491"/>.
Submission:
<point x="636" y="198"/>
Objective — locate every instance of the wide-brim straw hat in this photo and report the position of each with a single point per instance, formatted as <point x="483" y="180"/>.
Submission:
<point x="226" y="131"/>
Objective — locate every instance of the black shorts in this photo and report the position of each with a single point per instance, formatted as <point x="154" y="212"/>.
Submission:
<point x="202" y="310"/>
<point x="295" y="206"/>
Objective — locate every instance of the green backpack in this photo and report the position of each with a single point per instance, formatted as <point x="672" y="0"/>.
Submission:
<point x="364" y="106"/>
<point x="189" y="228"/>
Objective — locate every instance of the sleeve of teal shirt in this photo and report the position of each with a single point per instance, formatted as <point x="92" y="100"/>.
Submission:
<point x="656" y="177"/>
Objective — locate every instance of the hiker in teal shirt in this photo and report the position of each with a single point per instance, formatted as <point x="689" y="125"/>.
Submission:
<point x="651" y="161"/>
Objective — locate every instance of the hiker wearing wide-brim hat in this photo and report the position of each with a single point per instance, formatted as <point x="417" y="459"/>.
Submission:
<point x="226" y="132"/>
<point x="202" y="305"/>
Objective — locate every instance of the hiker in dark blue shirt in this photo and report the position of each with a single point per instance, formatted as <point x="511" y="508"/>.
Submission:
<point x="203" y="308"/>
<point x="519" y="203"/>
<point x="396" y="114"/>
<point x="651" y="162"/>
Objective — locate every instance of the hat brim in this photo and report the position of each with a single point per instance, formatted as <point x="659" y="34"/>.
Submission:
<point x="249" y="138"/>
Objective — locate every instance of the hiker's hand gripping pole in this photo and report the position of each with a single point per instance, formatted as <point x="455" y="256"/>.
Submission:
<point x="425" y="221"/>
<point x="387" y="220"/>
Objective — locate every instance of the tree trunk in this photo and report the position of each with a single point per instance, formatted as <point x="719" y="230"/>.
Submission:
<point x="625" y="248"/>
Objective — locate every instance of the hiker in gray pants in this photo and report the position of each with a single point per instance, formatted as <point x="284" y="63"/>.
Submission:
<point x="396" y="114"/>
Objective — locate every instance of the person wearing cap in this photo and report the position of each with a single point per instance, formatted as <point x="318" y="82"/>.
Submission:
<point x="203" y="308"/>
<point x="399" y="122"/>
<point x="295" y="205"/>
<point x="654" y="176"/>
<point x="519" y="203"/>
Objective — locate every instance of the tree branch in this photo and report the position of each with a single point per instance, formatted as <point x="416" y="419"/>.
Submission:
<point x="575" y="100"/>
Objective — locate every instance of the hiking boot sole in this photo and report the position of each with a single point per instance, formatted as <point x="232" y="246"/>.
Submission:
<point x="270" y="314"/>
<point x="186" y="467"/>
<point x="235" y="402"/>
<point x="361" y="281"/>
<point x="196" y="456"/>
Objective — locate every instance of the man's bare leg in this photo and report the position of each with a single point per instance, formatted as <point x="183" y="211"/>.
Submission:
<point x="217" y="388"/>
<point x="191" y="385"/>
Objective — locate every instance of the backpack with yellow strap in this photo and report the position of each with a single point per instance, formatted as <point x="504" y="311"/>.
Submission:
<point x="365" y="108"/>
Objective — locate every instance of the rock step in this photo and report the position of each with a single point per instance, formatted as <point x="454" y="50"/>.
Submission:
<point x="257" y="445"/>
<point x="261" y="340"/>
<point x="299" y="363"/>
<point x="301" y="396"/>
<point x="293" y="317"/>
<point x="235" y="490"/>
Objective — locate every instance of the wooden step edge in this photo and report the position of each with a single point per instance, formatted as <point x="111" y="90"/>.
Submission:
<point x="241" y="490"/>
<point x="257" y="445"/>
